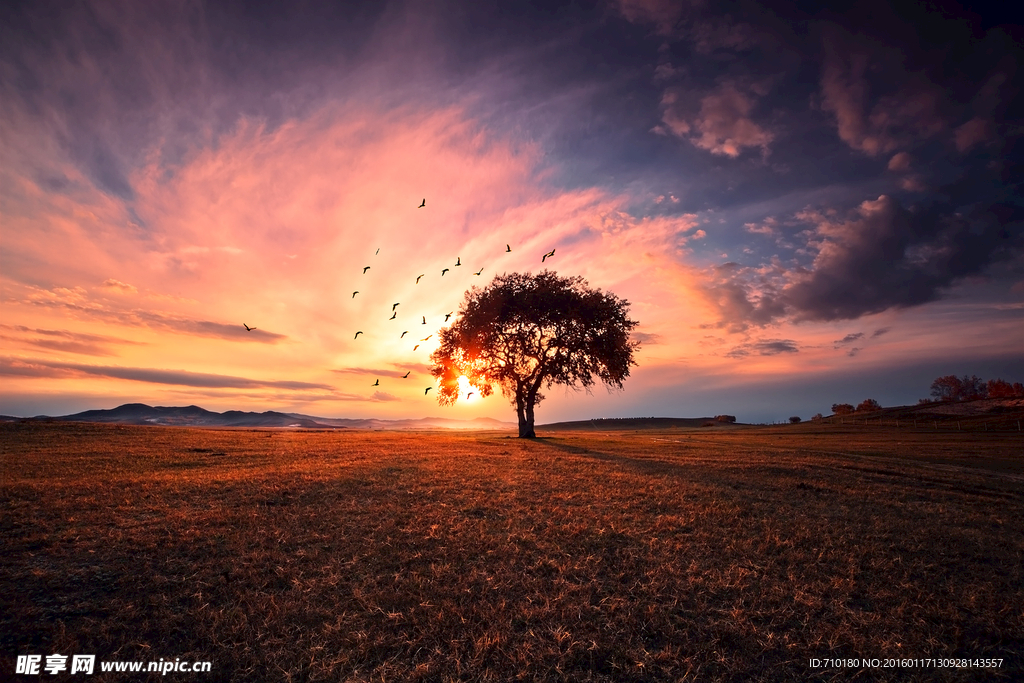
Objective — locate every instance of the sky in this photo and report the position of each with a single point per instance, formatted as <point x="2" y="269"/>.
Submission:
<point x="802" y="205"/>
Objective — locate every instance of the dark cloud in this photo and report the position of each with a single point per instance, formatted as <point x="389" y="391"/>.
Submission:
<point x="44" y="368"/>
<point x="848" y="339"/>
<point x="646" y="338"/>
<point x="888" y="256"/>
<point x="764" y="347"/>
<point x="879" y="332"/>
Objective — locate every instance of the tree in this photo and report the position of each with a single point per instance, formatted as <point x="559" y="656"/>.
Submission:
<point x="953" y="388"/>
<point x="726" y="418"/>
<point x="794" y="420"/>
<point x="998" y="388"/>
<point x="868" y="405"/>
<point x="528" y="332"/>
<point x="841" y="408"/>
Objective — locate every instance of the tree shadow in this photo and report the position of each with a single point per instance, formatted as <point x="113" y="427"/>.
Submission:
<point x="642" y="465"/>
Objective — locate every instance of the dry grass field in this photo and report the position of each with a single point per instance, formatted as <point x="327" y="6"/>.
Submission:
<point x="671" y="555"/>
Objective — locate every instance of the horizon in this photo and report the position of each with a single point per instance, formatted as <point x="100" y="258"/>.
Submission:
<point x="803" y="206"/>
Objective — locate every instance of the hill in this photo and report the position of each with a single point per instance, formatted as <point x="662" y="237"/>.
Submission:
<point x="194" y="416"/>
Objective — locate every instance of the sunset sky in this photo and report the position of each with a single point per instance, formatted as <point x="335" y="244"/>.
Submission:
<point x="802" y="206"/>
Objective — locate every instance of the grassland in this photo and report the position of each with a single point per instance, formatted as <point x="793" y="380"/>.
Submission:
<point x="670" y="555"/>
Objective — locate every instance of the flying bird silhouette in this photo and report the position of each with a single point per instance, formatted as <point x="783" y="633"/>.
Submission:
<point x="423" y="204"/>
<point x="427" y="337"/>
<point x="426" y="390"/>
<point x="247" y="328"/>
<point x="415" y="347"/>
<point x="354" y="293"/>
<point x="479" y="271"/>
<point x="406" y="375"/>
<point x="376" y="252"/>
<point x="443" y="272"/>
<point x="458" y="260"/>
<point x="447" y="315"/>
<point x="550" y="253"/>
<point x="424" y="320"/>
<point x="393" y="315"/>
<point x="394" y="306"/>
<point x="469" y="394"/>
<point x="507" y="248"/>
<point x="418" y="279"/>
<point x="376" y="384"/>
<point x="404" y="333"/>
<point x="357" y="334"/>
<point x="365" y="269"/>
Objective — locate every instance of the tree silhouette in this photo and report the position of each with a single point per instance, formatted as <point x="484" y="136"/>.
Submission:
<point x="953" y="388"/>
<point x="841" y="408"/>
<point x="528" y="332"/>
<point x="868" y="405"/>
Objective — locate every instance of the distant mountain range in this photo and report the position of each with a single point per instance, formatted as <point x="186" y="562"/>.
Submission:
<point x="194" y="416"/>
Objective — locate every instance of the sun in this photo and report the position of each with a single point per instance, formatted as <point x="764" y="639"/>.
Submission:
<point x="465" y="389"/>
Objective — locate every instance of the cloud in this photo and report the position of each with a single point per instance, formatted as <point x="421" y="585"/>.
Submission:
<point x="381" y="396"/>
<point x="43" y="368"/>
<point x="723" y="124"/>
<point x="879" y="332"/>
<point x="848" y="339"/>
<point x="65" y="340"/>
<point x="866" y="120"/>
<point x="974" y="132"/>
<point x="663" y="14"/>
<point x="120" y="286"/>
<point x="900" y="162"/>
<point x="764" y="347"/>
<point x="887" y="256"/>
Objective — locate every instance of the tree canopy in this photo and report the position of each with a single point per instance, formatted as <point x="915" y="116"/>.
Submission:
<point x="525" y="332"/>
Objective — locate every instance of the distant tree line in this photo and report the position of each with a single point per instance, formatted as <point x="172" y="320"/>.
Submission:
<point x="968" y="388"/>
<point x="868" y="405"/>
<point x="944" y="389"/>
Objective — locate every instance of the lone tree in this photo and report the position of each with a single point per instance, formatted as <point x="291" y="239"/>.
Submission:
<point x="528" y="332"/>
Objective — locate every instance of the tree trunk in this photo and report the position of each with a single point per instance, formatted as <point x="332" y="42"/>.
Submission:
<point x="524" y="410"/>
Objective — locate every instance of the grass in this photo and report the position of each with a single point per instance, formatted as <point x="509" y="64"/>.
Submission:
<point x="672" y="555"/>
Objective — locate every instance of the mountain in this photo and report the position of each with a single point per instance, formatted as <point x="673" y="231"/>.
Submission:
<point x="194" y="416"/>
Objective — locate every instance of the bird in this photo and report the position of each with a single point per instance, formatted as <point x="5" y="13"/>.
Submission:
<point x="354" y="293"/>
<point x="394" y="306"/>
<point x="422" y="204"/>
<point x="418" y="279"/>
<point x="550" y="253"/>
<point x="357" y="334"/>
<point x="376" y="384"/>
<point x="393" y="315"/>
<point x="458" y="260"/>
<point x="426" y="390"/>
<point x="469" y="394"/>
<point x="404" y="333"/>
<point x="376" y="252"/>
<point x="427" y="337"/>
<point x="365" y="269"/>
<point x="424" y="320"/>
<point x="443" y="272"/>
<point x="247" y="328"/>
<point x="479" y="271"/>
<point x="406" y="375"/>
<point x="415" y="347"/>
<point x="507" y="248"/>
<point x="447" y="315"/>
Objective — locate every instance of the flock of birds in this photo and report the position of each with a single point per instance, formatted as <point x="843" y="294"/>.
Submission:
<point x="394" y="307"/>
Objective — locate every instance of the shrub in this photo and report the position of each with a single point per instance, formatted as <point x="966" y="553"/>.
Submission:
<point x="794" y="420"/>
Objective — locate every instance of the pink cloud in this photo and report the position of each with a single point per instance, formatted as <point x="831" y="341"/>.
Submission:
<point x="722" y="125"/>
<point x="974" y="132"/>
<point x="866" y="121"/>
